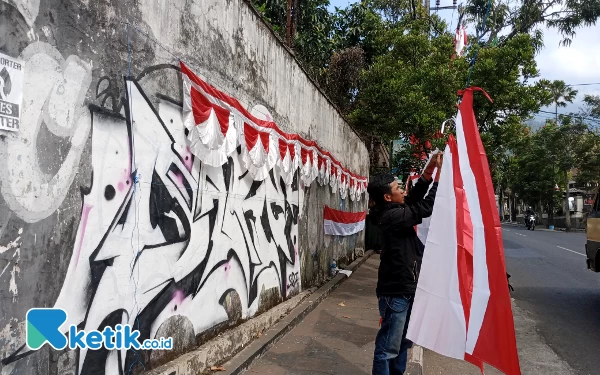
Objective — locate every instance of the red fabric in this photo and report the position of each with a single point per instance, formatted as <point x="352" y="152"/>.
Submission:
<point x="343" y="216"/>
<point x="264" y="137"/>
<point x="251" y="135"/>
<point x="283" y="148"/>
<point x="496" y="344"/>
<point x="304" y="153"/>
<point x="231" y="101"/>
<point x="464" y="233"/>
<point x="201" y="108"/>
<point x="320" y="161"/>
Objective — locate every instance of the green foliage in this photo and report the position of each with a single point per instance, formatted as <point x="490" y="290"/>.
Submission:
<point x="388" y="67"/>
<point x="511" y="18"/>
<point x="411" y="89"/>
<point x="593" y="106"/>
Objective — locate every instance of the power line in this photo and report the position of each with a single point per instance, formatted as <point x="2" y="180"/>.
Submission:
<point x="575" y="116"/>
<point x="487" y="13"/>
<point x="585" y="84"/>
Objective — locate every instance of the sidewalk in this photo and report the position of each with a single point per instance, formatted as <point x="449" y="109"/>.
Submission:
<point x="338" y="337"/>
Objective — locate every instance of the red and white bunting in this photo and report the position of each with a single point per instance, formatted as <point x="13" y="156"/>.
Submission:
<point x="342" y="223"/>
<point x="218" y="123"/>
<point x="288" y="159"/>
<point x="211" y="125"/>
<point x="462" y="306"/>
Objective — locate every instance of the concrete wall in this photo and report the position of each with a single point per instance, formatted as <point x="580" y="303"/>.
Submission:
<point x="91" y="218"/>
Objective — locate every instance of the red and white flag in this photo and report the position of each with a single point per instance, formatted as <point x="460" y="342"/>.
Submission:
<point x="462" y="306"/>
<point x="460" y="41"/>
<point x="342" y="223"/>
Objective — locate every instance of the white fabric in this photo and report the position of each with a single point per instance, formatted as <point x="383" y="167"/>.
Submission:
<point x="306" y="171"/>
<point x="481" y="288"/>
<point x="437" y="319"/>
<point x="315" y="165"/>
<point x="289" y="165"/>
<point x="258" y="162"/>
<point x="343" y="186"/>
<point x="423" y="228"/>
<point x="342" y="229"/>
<point x="460" y="40"/>
<point x="334" y="180"/>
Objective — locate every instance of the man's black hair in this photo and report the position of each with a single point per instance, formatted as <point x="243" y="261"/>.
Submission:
<point x="379" y="185"/>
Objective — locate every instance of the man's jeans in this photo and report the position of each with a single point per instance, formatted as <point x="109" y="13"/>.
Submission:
<point x="391" y="344"/>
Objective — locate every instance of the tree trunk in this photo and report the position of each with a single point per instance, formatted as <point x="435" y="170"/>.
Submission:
<point x="289" y="23"/>
<point x="501" y="204"/>
<point x="511" y="205"/>
<point x="295" y="27"/>
<point x="568" y="210"/>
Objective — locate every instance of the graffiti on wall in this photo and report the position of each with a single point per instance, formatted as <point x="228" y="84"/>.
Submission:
<point x="160" y="234"/>
<point x="54" y="92"/>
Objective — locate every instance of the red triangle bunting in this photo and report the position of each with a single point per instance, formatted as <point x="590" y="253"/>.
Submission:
<point x="201" y="108"/>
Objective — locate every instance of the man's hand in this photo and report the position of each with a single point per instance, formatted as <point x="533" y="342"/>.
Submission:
<point x="435" y="162"/>
<point x="432" y="164"/>
<point x="440" y="162"/>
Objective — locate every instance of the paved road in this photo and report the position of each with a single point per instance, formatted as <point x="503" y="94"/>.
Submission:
<point x="551" y="282"/>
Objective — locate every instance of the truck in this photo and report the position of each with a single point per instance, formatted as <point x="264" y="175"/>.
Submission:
<point x="592" y="232"/>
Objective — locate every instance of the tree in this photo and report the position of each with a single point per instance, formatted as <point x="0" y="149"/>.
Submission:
<point x="387" y="65"/>
<point x="342" y="76"/>
<point x="592" y="109"/>
<point x="534" y="178"/>
<point x="511" y="18"/>
<point x="312" y="29"/>
<point x="560" y="94"/>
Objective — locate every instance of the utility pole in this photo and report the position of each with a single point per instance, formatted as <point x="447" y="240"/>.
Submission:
<point x="438" y="7"/>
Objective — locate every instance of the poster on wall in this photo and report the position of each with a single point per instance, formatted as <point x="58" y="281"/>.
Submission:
<point x="11" y="92"/>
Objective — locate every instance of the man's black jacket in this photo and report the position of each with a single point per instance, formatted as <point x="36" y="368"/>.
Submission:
<point x="402" y="251"/>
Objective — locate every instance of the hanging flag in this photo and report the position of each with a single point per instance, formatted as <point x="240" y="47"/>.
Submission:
<point x="460" y="41"/>
<point x="462" y="306"/>
<point x="342" y="223"/>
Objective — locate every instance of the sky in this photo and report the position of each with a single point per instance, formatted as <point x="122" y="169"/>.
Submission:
<point x="579" y="63"/>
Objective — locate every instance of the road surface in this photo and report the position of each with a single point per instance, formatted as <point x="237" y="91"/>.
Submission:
<point x="552" y="282"/>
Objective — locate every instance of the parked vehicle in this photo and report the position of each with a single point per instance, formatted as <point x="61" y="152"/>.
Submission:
<point x="592" y="232"/>
<point x="530" y="222"/>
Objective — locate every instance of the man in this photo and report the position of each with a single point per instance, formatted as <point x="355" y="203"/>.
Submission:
<point x="396" y="213"/>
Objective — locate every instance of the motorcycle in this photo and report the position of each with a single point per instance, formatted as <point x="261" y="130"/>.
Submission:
<point x="530" y="222"/>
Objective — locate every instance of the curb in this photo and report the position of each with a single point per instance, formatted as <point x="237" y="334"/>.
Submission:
<point x="415" y="361"/>
<point x="573" y="230"/>
<point x="239" y="363"/>
<point x="242" y="340"/>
